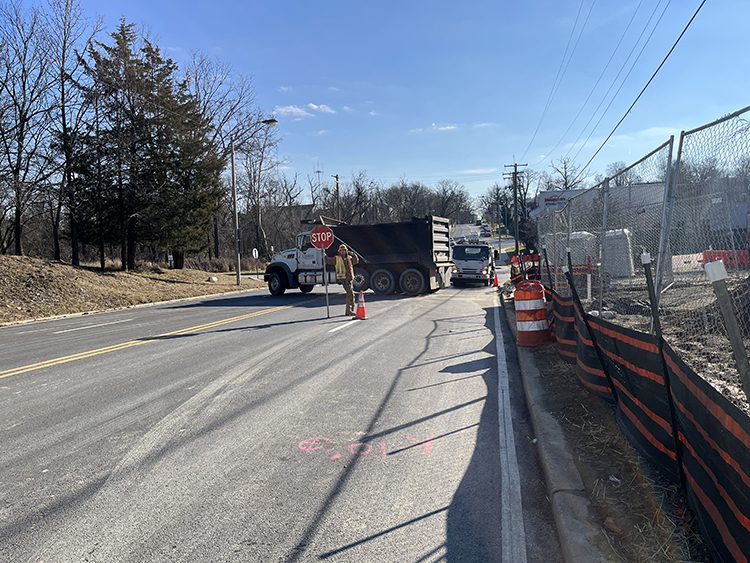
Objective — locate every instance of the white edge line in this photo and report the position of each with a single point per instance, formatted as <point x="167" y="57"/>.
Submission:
<point x="513" y="529"/>
<point x="91" y="326"/>
<point x="343" y="326"/>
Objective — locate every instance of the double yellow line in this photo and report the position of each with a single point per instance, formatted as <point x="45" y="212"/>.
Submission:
<point x="133" y="343"/>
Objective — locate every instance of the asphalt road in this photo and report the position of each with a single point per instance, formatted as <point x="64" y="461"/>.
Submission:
<point x="252" y="428"/>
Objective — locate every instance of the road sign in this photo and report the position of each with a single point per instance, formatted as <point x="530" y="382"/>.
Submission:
<point x="255" y="253"/>
<point x="321" y="237"/>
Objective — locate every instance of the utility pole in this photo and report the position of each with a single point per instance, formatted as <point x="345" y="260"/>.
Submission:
<point x="338" y="198"/>
<point x="515" y="175"/>
<point x="238" y="265"/>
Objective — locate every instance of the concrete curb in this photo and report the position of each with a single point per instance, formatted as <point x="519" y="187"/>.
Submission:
<point x="581" y="538"/>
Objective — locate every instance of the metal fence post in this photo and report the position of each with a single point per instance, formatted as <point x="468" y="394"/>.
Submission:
<point x="670" y="192"/>
<point x="546" y="264"/>
<point x="602" y="252"/>
<point x="717" y="274"/>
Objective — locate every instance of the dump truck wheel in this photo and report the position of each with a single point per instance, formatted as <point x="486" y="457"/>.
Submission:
<point x="412" y="282"/>
<point x="382" y="282"/>
<point x="276" y="284"/>
<point x="361" y="280"/>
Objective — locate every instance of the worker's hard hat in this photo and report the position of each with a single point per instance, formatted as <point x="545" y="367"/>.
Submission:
<point x="343" y="246"/>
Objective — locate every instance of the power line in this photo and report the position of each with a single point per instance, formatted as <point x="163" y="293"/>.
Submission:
<point x="619" y="73"/>
<point x="624" y="80"/>
<point x="575" y="46"/>
<point x="596" y="84"/>
<point x="664" y="60"/>
<point x="554" y="83"/>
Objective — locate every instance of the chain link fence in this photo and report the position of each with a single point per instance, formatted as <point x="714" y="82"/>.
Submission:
<point x="553" y="233"/>
<point x="684" y="210"/>
<point x="708" y="222"/>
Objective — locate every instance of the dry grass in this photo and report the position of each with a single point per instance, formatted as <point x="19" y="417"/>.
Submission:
<point x="32" y="288"/>
<point x="642" y="514"/>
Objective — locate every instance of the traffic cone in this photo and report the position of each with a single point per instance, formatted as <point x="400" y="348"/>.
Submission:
<point x="361" y="312"/>
<point x="495" y="281"/>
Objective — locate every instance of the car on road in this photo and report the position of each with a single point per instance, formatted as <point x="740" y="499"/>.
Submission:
<point x="473" y="263"/>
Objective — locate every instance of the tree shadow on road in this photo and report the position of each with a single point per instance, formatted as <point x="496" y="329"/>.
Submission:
<point x="311" y="300"/>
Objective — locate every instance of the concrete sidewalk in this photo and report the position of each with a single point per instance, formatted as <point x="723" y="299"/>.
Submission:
<point x="581" y="537"/>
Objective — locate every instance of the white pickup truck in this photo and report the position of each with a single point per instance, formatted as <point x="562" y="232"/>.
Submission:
<point x="473" y="263"/>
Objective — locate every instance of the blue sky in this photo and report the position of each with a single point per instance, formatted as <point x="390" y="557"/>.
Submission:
<point x="433" y="89"/>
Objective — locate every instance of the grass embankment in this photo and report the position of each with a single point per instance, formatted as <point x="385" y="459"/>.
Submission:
<point x="33" y="289"/>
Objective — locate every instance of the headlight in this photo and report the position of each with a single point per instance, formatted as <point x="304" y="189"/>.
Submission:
<point x="484" y="270"/>
<point x="454" y="269"/>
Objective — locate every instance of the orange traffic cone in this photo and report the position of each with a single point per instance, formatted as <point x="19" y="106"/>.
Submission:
<point x="495" y="281"/>
<point x="361" y="312"/>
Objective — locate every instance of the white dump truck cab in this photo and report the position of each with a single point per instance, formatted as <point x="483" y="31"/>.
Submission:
<point x="297" y="268"/>
<point x="473" y="263"/>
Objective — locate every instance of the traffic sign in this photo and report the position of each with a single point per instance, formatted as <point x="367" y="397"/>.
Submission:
<point x="321" y="237"/>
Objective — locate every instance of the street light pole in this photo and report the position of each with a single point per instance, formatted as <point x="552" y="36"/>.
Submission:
<point x="238" y="265"/>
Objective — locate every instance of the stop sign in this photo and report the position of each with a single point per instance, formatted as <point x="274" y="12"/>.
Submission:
<point x="321" y="237"/>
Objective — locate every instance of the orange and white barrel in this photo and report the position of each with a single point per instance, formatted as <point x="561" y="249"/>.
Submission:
<point x="531" y="314"/>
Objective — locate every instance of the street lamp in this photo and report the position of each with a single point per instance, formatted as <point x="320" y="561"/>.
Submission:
<point x="270" y="122"/>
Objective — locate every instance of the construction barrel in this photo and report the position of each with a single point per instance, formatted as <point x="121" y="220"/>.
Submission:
<point x="531" y="314"/>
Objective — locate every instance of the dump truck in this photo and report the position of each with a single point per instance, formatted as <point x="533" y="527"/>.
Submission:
<point x="411" y="257"/>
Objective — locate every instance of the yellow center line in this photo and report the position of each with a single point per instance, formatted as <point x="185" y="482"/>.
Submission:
<point x="131" y="343"/>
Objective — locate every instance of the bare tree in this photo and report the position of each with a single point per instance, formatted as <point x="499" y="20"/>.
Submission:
<point x="497" y="203"/>
<point x="452" y="200"/>
<point x="25" y="89"/>
<point x="565" y="175"/>
<point x="70" y="36"/>
<point x="228" y="103"/>
<point x="258" y="159"/>
<point x="620" y="177"/>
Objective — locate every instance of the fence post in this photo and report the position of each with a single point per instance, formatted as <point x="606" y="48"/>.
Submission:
<point x="546" y="265"/>
<point x="717" y="274"/>
<point x="602" y="252"/>
<point x="670" y="191"/>
<point x="646" y="261"/>
<point x="577" y="303"/>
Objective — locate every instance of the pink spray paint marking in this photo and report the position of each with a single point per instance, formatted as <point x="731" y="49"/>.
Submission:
<point x="336" y="457"/>
<point x="359" y="448"/>
<point x="383" y="450"/>
<point x="315" y="443"/>
<point x="427" y="446"/>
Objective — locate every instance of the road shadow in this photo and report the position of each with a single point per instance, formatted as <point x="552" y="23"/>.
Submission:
<point x="305" y="300"/>
<point x="473" y="515"/>
<point x="473" y="522"/>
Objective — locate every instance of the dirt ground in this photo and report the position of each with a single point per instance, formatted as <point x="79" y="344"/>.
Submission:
<point x="32" y="288"/>
<point x="643" y="515"/>
<point x="692" y="324"/>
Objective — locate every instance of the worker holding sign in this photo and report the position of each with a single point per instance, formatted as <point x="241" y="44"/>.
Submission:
<point x="344" y="263"/>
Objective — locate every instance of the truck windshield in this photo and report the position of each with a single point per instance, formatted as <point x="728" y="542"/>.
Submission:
<point x="471" y="253"/>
